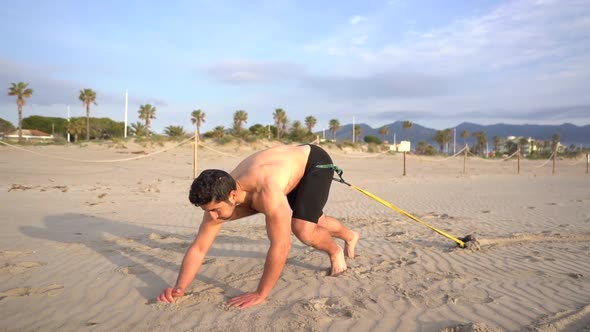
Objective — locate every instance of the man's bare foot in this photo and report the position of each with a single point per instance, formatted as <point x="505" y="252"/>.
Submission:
<point x="350" y="245"/>
<point x="338" y="263"/>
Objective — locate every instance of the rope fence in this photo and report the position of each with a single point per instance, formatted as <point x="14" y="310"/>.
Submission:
<point x="464" y="151"/>
<point x="97" y="161"/>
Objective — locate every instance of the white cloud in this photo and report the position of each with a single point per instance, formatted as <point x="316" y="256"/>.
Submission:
<point x="247" y="71"/>
<point x="357" y="19"/>
<point x="520" y="33"/>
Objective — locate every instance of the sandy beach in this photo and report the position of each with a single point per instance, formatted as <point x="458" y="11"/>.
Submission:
<point x="87" y="246"/>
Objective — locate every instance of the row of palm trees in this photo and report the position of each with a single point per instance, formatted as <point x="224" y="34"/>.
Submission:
<point x="241" y="117"/>
<point x="22" y="91"/>
<point x="147" y="113"/>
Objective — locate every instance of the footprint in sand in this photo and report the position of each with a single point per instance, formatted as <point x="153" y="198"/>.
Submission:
<point x="469" y="327"/>
<point x="132" y="270"/>
<point x="19" y="267"/>
<point x="48" y="290"/>
<point x="332" y="306"/>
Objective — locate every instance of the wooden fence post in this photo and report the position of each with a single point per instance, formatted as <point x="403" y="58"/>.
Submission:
<point x="195" y="155"/>
<point x="518" y="154"/>
<point x="554" y="155"/>
<point x="404" y="163"/>
<point x="465" y="157"/>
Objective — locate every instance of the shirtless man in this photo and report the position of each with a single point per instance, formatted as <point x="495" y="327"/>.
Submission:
<point x="284" y="184"/>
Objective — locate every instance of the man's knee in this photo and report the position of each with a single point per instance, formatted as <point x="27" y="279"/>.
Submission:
<point x="303" y="230"/>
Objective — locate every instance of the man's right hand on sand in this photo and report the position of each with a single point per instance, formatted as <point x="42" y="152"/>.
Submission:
<point x="169" y="294"/>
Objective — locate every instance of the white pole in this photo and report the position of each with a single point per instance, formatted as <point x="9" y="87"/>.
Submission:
<point x="68" y="123"/>
<point x="268" y="129"/>
<point x="126" y="103"/>
<point x="324" y="133"/>
<point x="394" y="140"/>
<point x="353" y="130"/>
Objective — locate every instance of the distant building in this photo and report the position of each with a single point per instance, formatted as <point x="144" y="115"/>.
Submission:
<point x="528" y="145"/>
<point x="30" y="135"/>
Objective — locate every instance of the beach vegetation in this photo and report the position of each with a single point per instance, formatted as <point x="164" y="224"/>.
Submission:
<point x="76" y="127"/>
<point x="425" y="149"/>
<point x="118" y="143"/>
<point x="51" y="125"/>
<point x="258" y="131"/>
<point x="6" y="126"/>
<point x="175" y="132"/>
<point x="137" y="129"/>
<point x="372" y="140"/>
<point x="298" y="133"/>
<point x="151" y="140"/>
<point x="226" y="139"/>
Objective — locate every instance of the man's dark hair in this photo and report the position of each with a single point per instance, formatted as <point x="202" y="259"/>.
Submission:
<point x="212" y="185"/>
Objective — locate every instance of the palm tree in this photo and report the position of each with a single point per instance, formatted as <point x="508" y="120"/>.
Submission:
<point x="137" y="129"/>
<point x="297" y="131"/>
<point x="555" y="141"/>
<point x="147" y="112"/>
<point x="443" y="137"/>
<point x="523" y="142"/>
<point x="464" y="135"/>
<point x="357" y="133"/>
<point x="218" y="131"/>
<point x="240" y="117"/>
<point x="440" y="139"/>
<point x="310" y="122"/>
<point x="280" y="117"/>
<point x="384" y="131"/>
<point x="21" y="91"/>
<point x="481" y="141"/>
<point x="76" y="127"/>
<point x="407" y="126"/>
<point x="447" y="137"/>
<point x="334" y="126"/>
<point x="174" y="131"/>
<point x="88" y="96"/>
<point x="497" y="140"/>
<point x="198" y="118"/>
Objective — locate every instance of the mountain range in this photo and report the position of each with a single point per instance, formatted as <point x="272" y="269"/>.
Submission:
<point x="569" y="134"/>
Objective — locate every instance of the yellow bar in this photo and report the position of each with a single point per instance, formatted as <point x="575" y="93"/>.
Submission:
<point x="395" y="208"/>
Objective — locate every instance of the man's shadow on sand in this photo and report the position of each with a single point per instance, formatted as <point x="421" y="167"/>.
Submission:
<point x="128" y="245"/>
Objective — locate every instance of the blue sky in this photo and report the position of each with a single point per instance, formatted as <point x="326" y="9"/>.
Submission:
<point x="436" y="63"/>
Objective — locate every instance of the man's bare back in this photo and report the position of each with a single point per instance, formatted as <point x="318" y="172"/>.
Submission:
<point x="278" y="170"/>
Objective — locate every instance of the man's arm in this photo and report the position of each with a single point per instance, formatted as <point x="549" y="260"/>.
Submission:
<point x="191" y="263"/>
<point x="278" y="227"/>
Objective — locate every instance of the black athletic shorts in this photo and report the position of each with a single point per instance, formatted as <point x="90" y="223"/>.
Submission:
<point x="308" y="198"/>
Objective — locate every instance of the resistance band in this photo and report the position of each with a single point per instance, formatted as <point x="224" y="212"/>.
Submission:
<point x="389" y="205"/>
